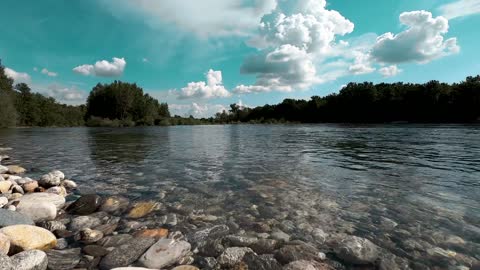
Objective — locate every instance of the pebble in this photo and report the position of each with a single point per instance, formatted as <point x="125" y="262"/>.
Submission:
<point x="63" y="259"/>
<point x="51" y="179"/>
<point x="114" y="204"/>
<point x="5" y="186"/>
<point x="83" y="222"/>
<point x="89" y="236"/>
<point x="3" y="201"/>
<point x="30" y="186"/>
<point x="261" y="262"/>
<point x="14" y="169"/>
<point x="356" y="250"/>
<point x="57" y="200"/>
<point x="233" y="255"/>
<point x="57" y="190"/>
<point x="3" y="169"/>
<point x="95" y="250"/>
<point x="4" y="244"/>
<point x="165" y="252"/>
<point x="127" y="253"/>
<point x="30" y="260"/>
<point x="142" y="209"/>
<point x="85" y="205"/>
<point x="69" y="184"/>
<point x="290" y="253"/>
<point x="152" y="233"/>
<point x="280" y="236"/>
<point x="27" y="237"/>
<point x="52" y="225"/>
<point x="39" y="211"/>
<point x="115" y="240"/>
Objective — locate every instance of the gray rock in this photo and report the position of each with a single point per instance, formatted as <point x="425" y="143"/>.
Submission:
<point x="51" y="179"/>
<point x="115" y="240"/>
<point x="199" y="238"/>
<point x="3" y="201"/>
<point x="165" y="252"/>
<point x="290" y="253"/>
<point x="261" y="262"/>
<point x="8" y="218"/>
<point x="280" y="236"/>
<point x="84" y="222"/>
<point x="63" y="259"/>
<point x="30" y="260"/>
<point x="52" y="225"/>
<point x="89" y="236"/>
<point x="6" y="262"/>
<point x="233" y="255"/>
<point x="62" y="243"/>
<point x="265" y="246"/>
<point x="239" y="240"/>
<point x="37" y="211"/>
<point x="127" y="253"/>
<point x="3" y="169"/>
<point x="356" y="250"/>
<point x="38" y="197"/>
<point x="115" y="204"/>
<point x="171" y="220"/>
<point x="85" y="205"/>
<point x="306" y="265"/>
<point x="95" y="250"/>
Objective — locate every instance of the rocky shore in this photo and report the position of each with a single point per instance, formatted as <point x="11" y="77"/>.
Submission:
<point x="51" y="223"/>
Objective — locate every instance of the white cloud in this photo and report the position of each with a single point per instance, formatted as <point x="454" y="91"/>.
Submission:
<point x="195" y="109"/>
<point x="49" y="73"/>
<point x="212" y="88"/>
<point x="460" y="8"/>
<point x="203" y="18"/>
<point x="389" y="71"/>
<point x="422" y="42"/>
<point x="103" y="68"/>
<point x="67" y="95"/>
<point x="18" y="77"/>
<point x="293" y="42"/>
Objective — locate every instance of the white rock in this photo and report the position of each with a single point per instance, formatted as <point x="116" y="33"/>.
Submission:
<point x="39" y="211"/>
<point x="30" y="260"/>
<point x="69" y="184"/>
<point x="164" y="253"/>
<point x="51" y="179"/>
<point x="3" y="169"/>
<point x="233" y="255"/>
<point x="12" y="208"/>
<point x="23" y="180"/>
<point x="58" y="190"/>
<point x="3" y="201"/>
<point x="57" y="200"/>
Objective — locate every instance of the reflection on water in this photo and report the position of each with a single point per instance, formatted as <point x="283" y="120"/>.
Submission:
<point x="409" y="188"/>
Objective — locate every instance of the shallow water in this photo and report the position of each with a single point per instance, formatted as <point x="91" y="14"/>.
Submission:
<point x="411" y="189"/>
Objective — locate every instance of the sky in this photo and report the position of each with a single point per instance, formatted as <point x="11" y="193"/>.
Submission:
<point x="201" y="56"/>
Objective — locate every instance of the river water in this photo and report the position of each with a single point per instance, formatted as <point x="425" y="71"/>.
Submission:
<point x="414" y="190"/>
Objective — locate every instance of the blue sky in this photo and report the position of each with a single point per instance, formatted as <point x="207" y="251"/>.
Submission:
<point x="200" y="56"/>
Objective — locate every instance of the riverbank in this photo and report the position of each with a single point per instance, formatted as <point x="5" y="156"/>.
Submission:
<point x="60" y="225"/>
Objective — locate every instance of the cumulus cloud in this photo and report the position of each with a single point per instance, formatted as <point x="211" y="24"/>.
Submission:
<point x="212" y="88"/>
<point x="460" y="8"/>
<point x="389" y="71"/>
<point x="195" y="109"/>
<point x="292" y="43"/>
<point x="103" y="68"/>
<point x="422" y="41"/>
<point x="18" y="77"/>
<point x="49" y="73"/>
<point x="67" y="95"/>
<point x="203" y="18"/>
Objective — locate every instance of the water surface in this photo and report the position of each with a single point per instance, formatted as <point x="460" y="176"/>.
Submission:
<point x="412" y="189"/>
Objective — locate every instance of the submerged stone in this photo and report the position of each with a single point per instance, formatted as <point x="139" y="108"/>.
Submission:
<point x="127" y="253"/>
<point x="165" y="252"/>
<point x="85" y="205"/>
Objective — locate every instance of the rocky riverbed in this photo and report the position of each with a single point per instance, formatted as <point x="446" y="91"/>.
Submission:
<point x="49" y="222"/>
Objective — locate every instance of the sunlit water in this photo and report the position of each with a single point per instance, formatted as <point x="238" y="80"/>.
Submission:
<point x="342" y="179"/>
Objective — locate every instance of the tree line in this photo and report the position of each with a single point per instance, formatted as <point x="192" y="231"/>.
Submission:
<point x="431" y="102"/>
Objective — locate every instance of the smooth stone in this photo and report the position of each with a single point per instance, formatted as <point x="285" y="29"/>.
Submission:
<point x="27" y="237"/>
<point x="89" y="236"/>
<point x="5" y="186"/>
<point x="199" y="238"/>
<point x="4" y="244"/>
<point x="115" y="204"/>
<point x="127" y="253"/>
<point x="9" y="218"/>
<point x="11" y="208"/>
<point x="233" y="255"/>
<point x="3" y="169"/>
<point x="290" y="253"/>
<point x="17" y="189"/>
<point x="132" y="268"/>
<point x="356" y="250"/>
<point x="95" y="250"/>
<point x="3" y="201"/>
<point x="52" y="225"/>
<point x="306" y="265"/>
<point x="265" y="246"/>
<point x="83" y="222"/>
<point x="165" y="252"/>
<point x="115" y="240"/>
<point x="240" y="240"/>
<point x="57" y="190"/>
<point x="185" y="267"/>
<point x="85" y="205"/>
<point x="39" y="211"/>
<point x="62" y="243"/>
<point x="30" y="187"/>
<point x="107" y="229"/>
<point x="152" y="233"/>
<point x="14" y="169"/>
<point x="69" y="184"/>
<point x="63" y="259"/>
<point x="6" y="262"/>
<point x="51" y="179"/>
<point x="280" y="236"/>
<point x="30" y="260"/>
<point x="261" y="262"/>
<point x="171" y="220"/>
<point x="57" y="200"/>
<point x="142" y="209"/>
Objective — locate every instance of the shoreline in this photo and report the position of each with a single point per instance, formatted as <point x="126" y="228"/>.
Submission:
<point x="76" y="230"/>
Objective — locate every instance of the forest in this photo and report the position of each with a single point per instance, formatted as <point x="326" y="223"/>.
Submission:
<point x="431" y="102"/>
<point x="121" y="104"/>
